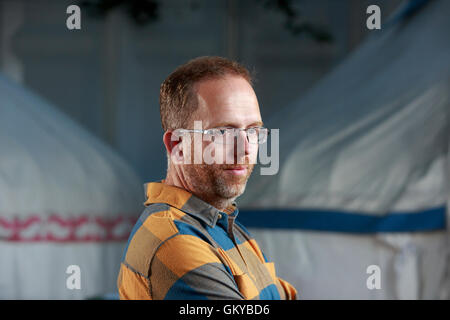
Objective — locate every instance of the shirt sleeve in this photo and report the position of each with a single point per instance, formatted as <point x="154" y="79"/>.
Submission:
<point x="132" y="285"/>
<point x="289" y="290"/>
<point x="290" y="293"/>
<point x="186" y="267"/>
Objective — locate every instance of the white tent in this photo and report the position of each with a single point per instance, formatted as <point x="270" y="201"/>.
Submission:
<point x="65" y="199"/>
<point x="364" y="170"/>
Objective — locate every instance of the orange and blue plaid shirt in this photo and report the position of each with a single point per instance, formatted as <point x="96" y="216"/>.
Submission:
<point x="183" y="248"/>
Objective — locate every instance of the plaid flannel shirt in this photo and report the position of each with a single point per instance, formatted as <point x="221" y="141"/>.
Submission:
<point x="183" y="248"/>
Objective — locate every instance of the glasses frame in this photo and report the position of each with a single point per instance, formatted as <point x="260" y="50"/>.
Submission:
<point x="236" y="130"/>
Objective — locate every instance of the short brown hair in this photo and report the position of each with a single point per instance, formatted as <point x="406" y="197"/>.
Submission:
<point x="176" y="95"/>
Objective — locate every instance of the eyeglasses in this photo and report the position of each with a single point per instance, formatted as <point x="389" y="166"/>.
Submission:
<point x="255" y="135"/>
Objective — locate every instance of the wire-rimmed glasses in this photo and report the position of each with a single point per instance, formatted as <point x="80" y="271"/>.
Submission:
<point x="226" y="135"/>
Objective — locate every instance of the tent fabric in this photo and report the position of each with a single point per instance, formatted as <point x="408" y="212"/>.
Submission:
<point x="39" y="270"/>
<point x="65" y="199"/>
<point x="373" y="132"/>
<point x="371" y="139"/>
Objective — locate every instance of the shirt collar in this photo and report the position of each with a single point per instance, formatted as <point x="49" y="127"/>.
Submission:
<point x="159" y="192"/>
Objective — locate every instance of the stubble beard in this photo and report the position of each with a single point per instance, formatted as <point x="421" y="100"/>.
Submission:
<point x="214" y="185"/>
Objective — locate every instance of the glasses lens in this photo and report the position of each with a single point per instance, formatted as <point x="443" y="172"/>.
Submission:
<point x="252" y="135"/>
<point x="227" y="135"/>
<point x="257" y="135"/>
<point x="262" y="135"/>
<point x="222" y="136"/>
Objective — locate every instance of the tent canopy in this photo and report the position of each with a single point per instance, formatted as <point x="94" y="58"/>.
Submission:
<point x="65" y="199"/>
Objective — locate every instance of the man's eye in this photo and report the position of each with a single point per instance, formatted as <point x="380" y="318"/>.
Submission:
<point x="223" y="131"/>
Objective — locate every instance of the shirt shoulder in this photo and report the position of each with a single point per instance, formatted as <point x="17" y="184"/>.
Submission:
<point x="152" y="228"/>
<point x="157" y="224"/>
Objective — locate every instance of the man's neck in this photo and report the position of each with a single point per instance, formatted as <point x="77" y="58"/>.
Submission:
<point x="218" y="203"/>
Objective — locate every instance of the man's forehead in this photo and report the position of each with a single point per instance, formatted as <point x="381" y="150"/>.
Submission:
<point x="226" y="89"/>
<point x="227" y="102"/>
<point x="231" y="123"/>
<point x="228" y="115"/>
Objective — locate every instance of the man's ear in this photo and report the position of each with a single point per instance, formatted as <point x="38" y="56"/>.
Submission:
<point x="173" y="144"/>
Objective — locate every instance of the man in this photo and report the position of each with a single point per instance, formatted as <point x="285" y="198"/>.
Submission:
<point x="187" y="243"/>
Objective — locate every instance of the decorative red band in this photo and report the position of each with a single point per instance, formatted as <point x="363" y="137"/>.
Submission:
<point x="57" y="228"/>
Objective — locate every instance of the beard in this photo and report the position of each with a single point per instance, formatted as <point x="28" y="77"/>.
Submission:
<point x="213" y="181"/>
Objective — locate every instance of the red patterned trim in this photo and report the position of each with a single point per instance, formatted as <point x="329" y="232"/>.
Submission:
<point x="56" y="228"/>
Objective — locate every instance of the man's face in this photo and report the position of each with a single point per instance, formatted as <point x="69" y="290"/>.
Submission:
<point x="225" y="102"/>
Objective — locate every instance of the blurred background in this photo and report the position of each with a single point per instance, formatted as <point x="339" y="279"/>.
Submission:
<point x="364" y="135"/>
